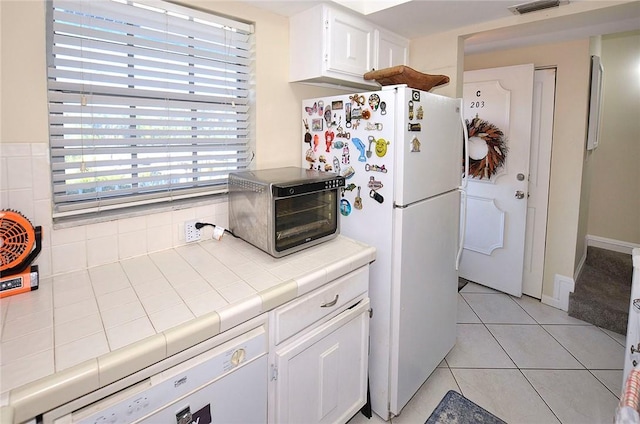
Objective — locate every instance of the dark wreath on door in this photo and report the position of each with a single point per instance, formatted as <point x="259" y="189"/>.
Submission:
<point x="487" y="148"/>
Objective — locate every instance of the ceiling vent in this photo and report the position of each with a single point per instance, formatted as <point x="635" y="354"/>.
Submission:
<point x="534" y="6"/>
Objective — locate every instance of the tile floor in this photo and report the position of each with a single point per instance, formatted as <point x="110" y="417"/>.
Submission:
<point x="525" y="362"/>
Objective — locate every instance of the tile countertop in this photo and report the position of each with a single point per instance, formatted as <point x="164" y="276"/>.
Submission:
<point x="84" y="330"/>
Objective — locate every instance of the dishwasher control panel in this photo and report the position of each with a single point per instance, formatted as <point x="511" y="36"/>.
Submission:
<point x="139" y="402"/>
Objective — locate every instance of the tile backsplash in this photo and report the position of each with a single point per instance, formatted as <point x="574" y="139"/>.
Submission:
<point x="25" y="186"/>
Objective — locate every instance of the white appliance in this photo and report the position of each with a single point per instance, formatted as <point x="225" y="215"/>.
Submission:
<point x="221" y="380"/>
<point x="401" y="152"/>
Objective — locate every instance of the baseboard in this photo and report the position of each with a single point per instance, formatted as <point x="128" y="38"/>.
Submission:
<point x="610" y="244"/>
<point x="562" y="286"/>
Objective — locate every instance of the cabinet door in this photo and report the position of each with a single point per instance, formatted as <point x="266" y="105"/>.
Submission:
<point x="322" y="375"/>
<point x="392" y="50"/>
<point x="349" y="44"/>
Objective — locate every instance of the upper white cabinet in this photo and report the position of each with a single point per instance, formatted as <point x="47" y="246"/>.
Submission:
<point x="392" y="50"/>
<point x="349" y="44"/>
<point x="336" y="48"/>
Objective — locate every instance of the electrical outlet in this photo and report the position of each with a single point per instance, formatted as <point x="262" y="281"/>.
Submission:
<point x="191" y="233"/>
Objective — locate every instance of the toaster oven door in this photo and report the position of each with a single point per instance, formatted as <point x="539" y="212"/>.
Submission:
<point x="304" y="218"/>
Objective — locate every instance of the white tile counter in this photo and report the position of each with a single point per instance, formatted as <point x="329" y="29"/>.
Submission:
<point x="84" y="330"/>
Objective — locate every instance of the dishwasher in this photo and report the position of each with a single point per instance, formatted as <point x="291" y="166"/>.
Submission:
<point x="224" y="381"/>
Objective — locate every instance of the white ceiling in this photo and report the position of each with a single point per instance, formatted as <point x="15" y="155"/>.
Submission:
<point x="417" y="18"/>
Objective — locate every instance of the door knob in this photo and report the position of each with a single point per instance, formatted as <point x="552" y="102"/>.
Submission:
<point x="519" y="194"/>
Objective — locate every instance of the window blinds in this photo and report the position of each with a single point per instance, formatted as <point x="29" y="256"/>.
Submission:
<point x="148" y="102"/>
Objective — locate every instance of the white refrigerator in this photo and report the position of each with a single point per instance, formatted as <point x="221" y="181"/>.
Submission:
<point x="401" y="152"/>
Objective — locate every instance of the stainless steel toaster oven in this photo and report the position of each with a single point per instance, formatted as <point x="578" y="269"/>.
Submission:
<point x="284" y="210"/>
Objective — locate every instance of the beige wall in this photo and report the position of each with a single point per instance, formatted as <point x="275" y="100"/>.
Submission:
<point x="614" y="201"/>
<point x="440" y="54"/>
<point x="595" y="46"/>
<point x="572" y="62"/>
<point x="23" y="78"/>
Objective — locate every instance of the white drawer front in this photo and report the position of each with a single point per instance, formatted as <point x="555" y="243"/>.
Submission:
<point x="304" y="311"/>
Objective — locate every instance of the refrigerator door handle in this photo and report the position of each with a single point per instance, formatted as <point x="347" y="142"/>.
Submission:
<point x="463" y="225"/>
<point x="463" y="188"/>
<point x="465" y="133"/>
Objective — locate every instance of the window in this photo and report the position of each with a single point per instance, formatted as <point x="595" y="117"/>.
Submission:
<point x="148" y="102"/>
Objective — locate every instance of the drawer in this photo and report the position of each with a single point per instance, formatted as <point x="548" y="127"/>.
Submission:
<point x="304" y="311"/>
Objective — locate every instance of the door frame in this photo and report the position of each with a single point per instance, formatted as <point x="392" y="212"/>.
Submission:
<point x="539" y="170"/>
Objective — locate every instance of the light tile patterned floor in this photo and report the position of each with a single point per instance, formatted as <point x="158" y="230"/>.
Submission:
<point x="525" y="362"/>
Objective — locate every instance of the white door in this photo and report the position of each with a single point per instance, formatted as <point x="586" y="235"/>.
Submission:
<point x="502" y="99"/>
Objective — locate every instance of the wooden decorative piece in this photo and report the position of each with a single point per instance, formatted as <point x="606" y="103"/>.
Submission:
<point x="496" y="148"/>
<point x="404" y="75"/>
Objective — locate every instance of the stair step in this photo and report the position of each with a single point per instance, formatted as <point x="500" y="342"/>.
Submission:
<point x="616" y="264"/>
<point x="601" y="299"/>
<point x="591" y="311"/>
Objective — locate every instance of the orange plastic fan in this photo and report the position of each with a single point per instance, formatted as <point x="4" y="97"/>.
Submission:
<point x="17" y="237"/>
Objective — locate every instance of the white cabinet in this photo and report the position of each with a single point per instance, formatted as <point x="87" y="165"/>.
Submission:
<point x="349" y="44"/>
<point x="319" y="372"/>
<point x="392" y="50"/>
<point x="335" y="48"/>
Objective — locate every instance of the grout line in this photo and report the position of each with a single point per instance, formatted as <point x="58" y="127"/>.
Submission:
<point x="521" y="370"/>
<point x="540" y="396"/>
<point x="605" y="386"/>
<point x="456" y="381"/>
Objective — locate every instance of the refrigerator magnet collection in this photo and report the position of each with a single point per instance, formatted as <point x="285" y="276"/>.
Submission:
<point x="399" y="150"/>
<point x="329" y="143"/>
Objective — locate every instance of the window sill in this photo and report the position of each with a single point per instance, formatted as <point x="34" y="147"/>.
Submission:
<point x="137" y="211"/>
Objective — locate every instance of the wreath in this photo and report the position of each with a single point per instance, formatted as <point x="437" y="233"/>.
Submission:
<point x="487" y="148"/>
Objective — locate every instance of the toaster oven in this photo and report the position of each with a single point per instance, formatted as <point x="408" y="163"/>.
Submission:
<point x="284" y="210"/>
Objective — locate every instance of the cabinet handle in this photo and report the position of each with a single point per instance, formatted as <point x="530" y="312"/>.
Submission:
<point x="330" y="304"/>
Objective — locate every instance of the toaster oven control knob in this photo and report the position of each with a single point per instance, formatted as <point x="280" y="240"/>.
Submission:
<point x="238" y="356"/>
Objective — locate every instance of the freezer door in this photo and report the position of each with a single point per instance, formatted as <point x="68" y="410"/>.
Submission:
<point x="424" y="292"/>
<point x="429" y="157"/>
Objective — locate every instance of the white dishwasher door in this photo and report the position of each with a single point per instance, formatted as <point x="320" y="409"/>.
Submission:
<point x="240" y="398"/>
<point x="226" y="384"/>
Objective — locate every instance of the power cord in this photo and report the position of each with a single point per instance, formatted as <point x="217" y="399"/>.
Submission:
<point x="199" y="225"/>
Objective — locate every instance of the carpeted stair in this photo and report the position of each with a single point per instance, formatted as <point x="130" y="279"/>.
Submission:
<point x="603" y="290"/>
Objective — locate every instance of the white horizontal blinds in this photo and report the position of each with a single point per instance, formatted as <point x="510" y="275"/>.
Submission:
<point x="148" y="102"/>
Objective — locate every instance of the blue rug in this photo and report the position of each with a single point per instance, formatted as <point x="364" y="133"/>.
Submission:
<point x="457" y="409"/>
